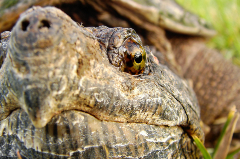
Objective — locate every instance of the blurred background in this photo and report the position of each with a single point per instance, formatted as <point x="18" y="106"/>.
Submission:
<point x="224" y="15"/>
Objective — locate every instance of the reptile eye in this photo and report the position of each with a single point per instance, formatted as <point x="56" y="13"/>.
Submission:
<point x="138" y="57"/>
<point x="134" y="56"/>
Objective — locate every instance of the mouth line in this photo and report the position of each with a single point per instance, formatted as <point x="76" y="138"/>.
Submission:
<point x="97" y="118"/>
<point x="56" y="116"/>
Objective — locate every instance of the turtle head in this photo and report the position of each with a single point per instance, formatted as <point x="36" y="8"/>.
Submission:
<point x="53" y="69"/>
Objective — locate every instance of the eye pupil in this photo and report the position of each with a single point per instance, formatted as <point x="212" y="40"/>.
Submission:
<point x="138" y="57"/>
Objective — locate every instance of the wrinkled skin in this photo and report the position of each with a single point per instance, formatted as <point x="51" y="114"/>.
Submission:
<point x="61" y="95"/>
<point x="215" y="80"/>
<point x="219" y="78"/>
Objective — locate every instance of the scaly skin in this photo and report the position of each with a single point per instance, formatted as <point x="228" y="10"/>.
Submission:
<point x="61" y="97"/>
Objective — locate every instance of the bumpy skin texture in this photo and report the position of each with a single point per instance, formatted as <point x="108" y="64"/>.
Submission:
<point x="61" y="97"/>
<point x="215" y="80"/>
<point x="3" y="45"/>
<point x="151" y="21"/>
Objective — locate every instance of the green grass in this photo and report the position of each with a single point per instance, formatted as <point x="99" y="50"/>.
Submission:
<point x="7" y="4"/>
<point x="224" y="15"/>
<point x="224" y="140"/>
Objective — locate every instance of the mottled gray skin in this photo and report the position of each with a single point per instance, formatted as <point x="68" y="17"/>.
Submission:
<point x="215" y="80"/>
<point x="165" y="27"/>
<point x="61" y="97"/>
<point x="5" y="36"/>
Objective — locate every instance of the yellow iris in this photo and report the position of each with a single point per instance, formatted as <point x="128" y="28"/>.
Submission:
<point x="134" y="56"/>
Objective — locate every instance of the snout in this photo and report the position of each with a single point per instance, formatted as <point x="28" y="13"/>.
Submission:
<point x="38" y="29"/>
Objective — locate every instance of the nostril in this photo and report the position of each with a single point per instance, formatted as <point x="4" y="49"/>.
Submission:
<point x="44" y="23"/>
<point x="25" y="24"/>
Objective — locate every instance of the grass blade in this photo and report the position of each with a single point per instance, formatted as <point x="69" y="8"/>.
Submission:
<point x="201" y="147"/>
<point x="230" y="155"/>
<point x="223" y="143"/>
